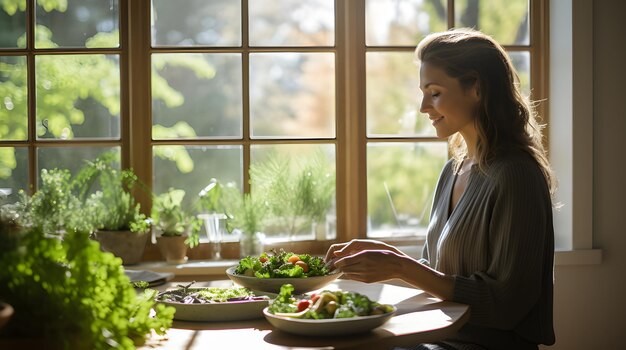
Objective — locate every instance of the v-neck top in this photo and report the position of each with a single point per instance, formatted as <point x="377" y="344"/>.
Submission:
<point x="498" y="244"/>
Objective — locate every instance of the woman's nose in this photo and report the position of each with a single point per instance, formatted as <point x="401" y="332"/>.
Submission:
<point x="425" y="105"/>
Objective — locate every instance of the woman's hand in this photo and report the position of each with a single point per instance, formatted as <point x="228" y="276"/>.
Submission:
<point x="340" y="250"/>
<point x="372" y="265"/>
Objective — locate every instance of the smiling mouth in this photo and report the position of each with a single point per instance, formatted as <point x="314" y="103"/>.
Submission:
<point x="435" y="120"/>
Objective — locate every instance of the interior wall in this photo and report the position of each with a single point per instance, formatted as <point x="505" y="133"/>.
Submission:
<point x="590" y="301"/>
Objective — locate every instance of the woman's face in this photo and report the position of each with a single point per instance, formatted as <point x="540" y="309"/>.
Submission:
<point x="450" y="107"/>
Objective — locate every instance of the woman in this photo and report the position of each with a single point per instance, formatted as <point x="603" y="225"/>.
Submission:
<point x="490" y="240"/>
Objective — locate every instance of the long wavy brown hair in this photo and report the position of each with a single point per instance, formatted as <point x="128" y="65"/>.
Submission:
<point x="505" y="119"/>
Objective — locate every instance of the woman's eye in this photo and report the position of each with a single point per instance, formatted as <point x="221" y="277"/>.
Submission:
<point x="435" y="94"/>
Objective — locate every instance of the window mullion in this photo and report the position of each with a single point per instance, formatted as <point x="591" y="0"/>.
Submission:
<point x="351" y="167"/>
<point x="137" y="138"/>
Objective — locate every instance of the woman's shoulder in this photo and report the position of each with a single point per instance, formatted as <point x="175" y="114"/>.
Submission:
<point x="448" y="169"/>
<point x="515" y="167"/>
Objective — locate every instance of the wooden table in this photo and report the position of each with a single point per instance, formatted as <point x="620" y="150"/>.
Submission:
<point x="420" y="318"/>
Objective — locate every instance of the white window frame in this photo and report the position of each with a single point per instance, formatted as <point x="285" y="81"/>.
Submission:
<point x="571" y="132"/>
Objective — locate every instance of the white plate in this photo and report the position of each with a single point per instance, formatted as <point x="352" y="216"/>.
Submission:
<point x="327" y="327"/>
<point x="272" y="285"/>
<point x="226" y="311"/>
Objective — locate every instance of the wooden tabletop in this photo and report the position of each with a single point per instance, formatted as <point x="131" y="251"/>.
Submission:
<point x="420" y="318"/>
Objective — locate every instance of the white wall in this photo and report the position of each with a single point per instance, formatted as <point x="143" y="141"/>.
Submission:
<point x="590" y="300"/>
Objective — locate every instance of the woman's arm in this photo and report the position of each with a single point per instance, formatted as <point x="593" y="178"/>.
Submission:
<point x="380" y="265"/>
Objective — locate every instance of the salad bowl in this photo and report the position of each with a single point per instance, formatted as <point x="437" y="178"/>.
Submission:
<point x="327" y="327"/>
<point x="270" y="270"/>
<point x="327" y="313"/>
<point x="272" y="285"/>
<point x="236" y="309"/>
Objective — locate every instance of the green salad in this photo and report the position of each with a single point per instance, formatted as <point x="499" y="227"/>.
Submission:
<point x="325" y="305"/>
<point x="282" y="265"/>
<point x="187" y="295"/>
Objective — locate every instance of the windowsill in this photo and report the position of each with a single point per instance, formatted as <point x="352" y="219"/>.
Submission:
<point x="192" y="268"/>
<point x="578" y="257"/>
<point x="218" y="267"/>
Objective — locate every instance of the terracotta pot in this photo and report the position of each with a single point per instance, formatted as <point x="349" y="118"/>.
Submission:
<point x="173" y="248"/>
<point x="129" y="246"/>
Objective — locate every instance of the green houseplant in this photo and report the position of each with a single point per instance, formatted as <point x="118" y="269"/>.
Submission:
<point x="299" y="196"/>
<point x="248" y="216"/>
<point x="216" y="203"/>
<point x="121" y="228"/>
<point x="174" y="227"/>
<point x="54" y="207"/>
<point x="69" y="294"/>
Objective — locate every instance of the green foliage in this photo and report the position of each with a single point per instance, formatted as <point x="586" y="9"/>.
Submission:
<point x="219" y="198"/>
<point x="71" y="295"/>
<point x="170" y="219"/>
<point x="112" y="207"/>
<point x="54" y="207"/>
<point x="296" y="196"/>
<point x="414" y="170"/>
<point x="248" y="215"/>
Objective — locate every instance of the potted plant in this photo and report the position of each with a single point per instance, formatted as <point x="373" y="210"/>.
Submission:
<point x="175" y="229"/>
<point x="121" y="228"/>
<point x="248" y="218"/>
<point x="215" y="202"/>
<point x="299" y="196"/>
<point x="54" y="207"/>
<point x="66" y="293"/>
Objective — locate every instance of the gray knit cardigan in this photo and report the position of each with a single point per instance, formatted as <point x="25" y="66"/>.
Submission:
<point x="498" y="243"/>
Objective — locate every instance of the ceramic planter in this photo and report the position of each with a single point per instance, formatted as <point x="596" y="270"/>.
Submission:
<point x="128" y="246"/>
<point x="173" y="248"/>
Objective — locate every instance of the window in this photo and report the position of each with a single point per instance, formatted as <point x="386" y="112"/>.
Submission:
<point x="194" y="90"/>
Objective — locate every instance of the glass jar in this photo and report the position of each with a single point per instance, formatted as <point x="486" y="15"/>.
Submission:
<point x="251" y="244"/>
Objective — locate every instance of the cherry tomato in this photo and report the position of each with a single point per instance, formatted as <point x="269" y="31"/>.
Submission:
<point x="263" y="259"/>
<point x="292" y="259"/>
<point x="303" y="265"/>
<point x="314" y="297"/>
<point x="303" y="304"/>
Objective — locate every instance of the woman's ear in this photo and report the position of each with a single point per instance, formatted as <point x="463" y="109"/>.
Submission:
<point x="475" y="91"/>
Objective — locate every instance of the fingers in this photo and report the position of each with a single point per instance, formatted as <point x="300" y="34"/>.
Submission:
<point x="333" y="248"/>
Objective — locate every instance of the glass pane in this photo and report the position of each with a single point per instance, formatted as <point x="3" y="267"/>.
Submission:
<point x="196" y="95"/>
<point x="13" y="98"/>
<point x="393" y="96"/>
<point x="13" y="24"/>
<point x="190" y="168"/>
<point x="71" y="158"/>
<point x="292" y="22"/>
<point x="401" y="180"/>
<point x="403" y="22"/>
<point x="85" y="23"/>
<point x="506" y="21"/>
<point x="521" y="62"/>
<point x="196" y="22"/>
<point x="13" y="173"/>
<point x="78" y="96"/>
<point x="297" y="182"/>
<point x="292" y="95"/>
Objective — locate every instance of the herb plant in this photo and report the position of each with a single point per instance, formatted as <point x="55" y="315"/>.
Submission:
<point x="69" y="294"/>
<point x="297" y="195"/>
<point x="113" y="207"/>
<point x="171" y="219"/>
<point x="54" y="207"/>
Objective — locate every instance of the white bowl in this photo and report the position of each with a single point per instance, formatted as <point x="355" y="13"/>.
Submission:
<point x="327" y="327"/>
<point x="224" y="311"/>
<point x="272" y="285"/>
